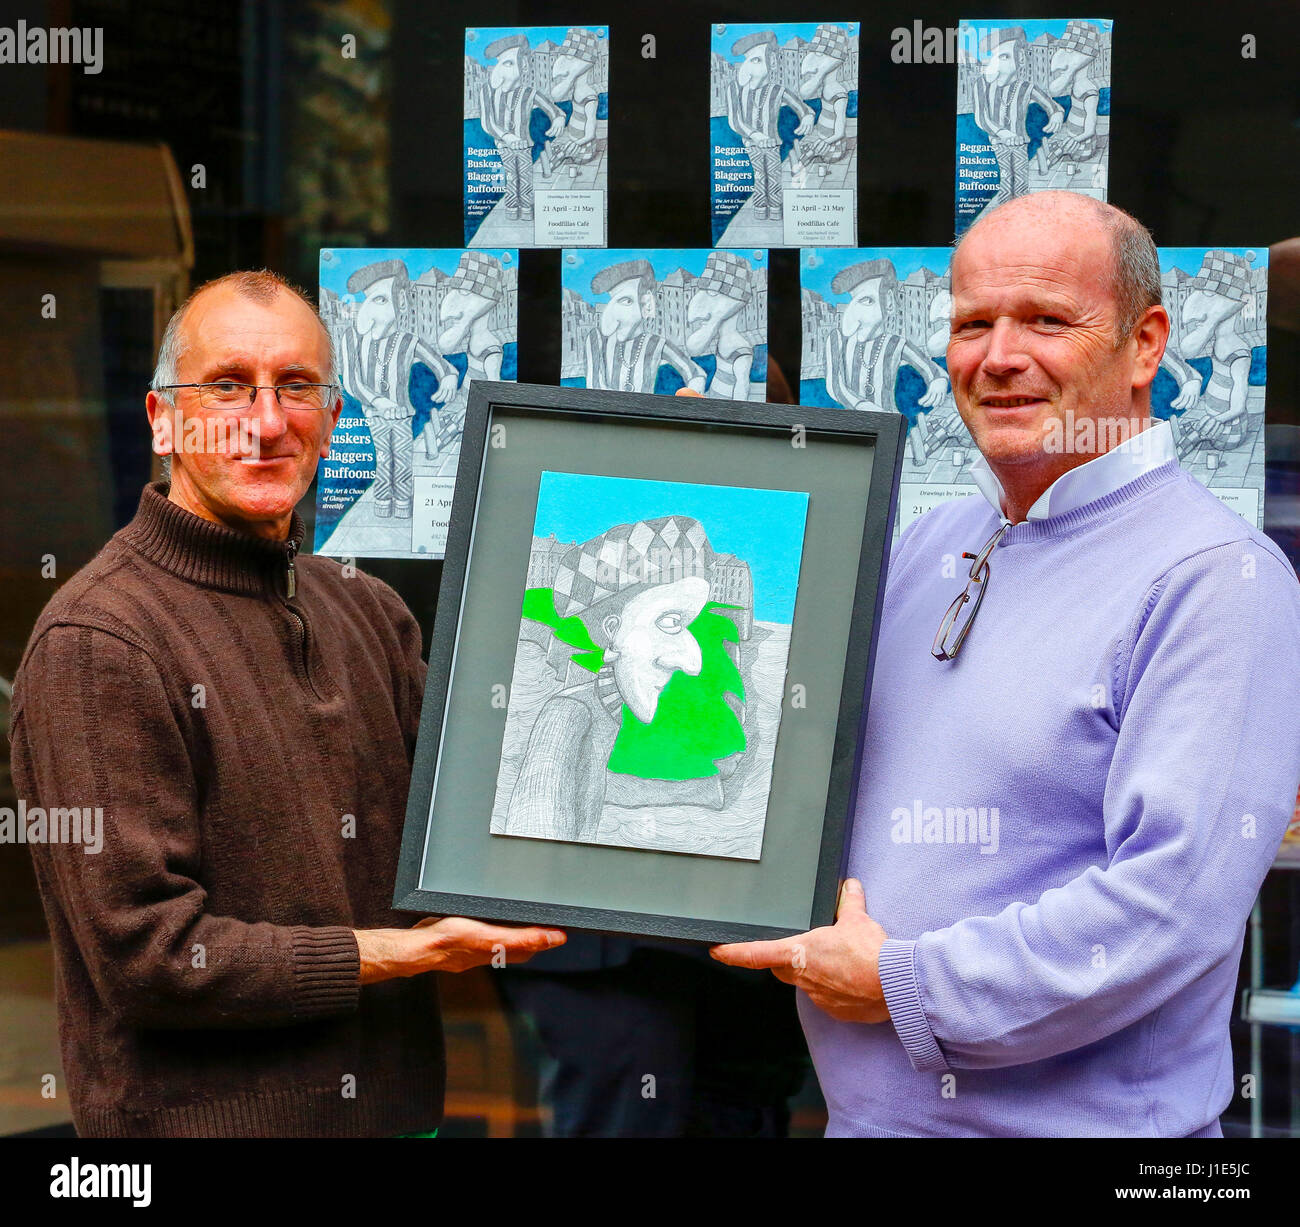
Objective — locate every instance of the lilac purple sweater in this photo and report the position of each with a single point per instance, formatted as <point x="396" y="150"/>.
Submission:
<point x="1062" y="830"/>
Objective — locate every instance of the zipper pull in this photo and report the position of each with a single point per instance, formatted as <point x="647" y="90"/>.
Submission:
<point x="292" y="579"/>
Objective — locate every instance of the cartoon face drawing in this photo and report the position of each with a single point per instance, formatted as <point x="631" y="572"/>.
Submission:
<point x="648" y="641"/>
<point x="378" y="312"/>
<point x="1203" y="312"/>
<point x="628" y="305"/>
<point x="1066" y="61"/>
<point x="754" y="69"/>
<point x="506" y="71"/>
<point x="1001" y="68"/>
<point x="815" y="67"/>
<point x="864" y="316"/>
<point x="565" y="72"/>
<point x="456" y="315"/>
<point x="707" y="312"/>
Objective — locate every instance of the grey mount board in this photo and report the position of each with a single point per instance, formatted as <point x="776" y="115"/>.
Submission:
<point x="849" y="462"/>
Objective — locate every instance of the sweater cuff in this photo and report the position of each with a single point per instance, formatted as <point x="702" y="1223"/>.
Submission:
<point x="897" y="969"/>
<point x="326" y="971"/>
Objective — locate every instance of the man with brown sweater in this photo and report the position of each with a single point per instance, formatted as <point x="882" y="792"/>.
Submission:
<point x="228" y="963"/>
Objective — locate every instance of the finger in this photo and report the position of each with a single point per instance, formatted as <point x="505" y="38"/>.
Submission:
<point x="479" y="935"/>
<point x="755" y="954"/>
<point x="852" y="899"/>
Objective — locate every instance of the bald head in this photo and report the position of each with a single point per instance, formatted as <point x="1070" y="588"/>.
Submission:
<point x="260" y="286"/>
<point x="1134" y="262"/>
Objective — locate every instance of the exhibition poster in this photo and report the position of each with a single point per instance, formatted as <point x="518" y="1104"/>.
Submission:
<point x="875" y="335"/>
<point x="1033" y="111"/>
<point x="1211" y="383"/>
<point x="412" y="328"/>
<point x="783" y="134"/>
<point x="656" y="321"/>
<point x="536" y="136"/>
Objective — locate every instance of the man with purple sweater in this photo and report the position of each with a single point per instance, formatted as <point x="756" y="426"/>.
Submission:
<point x="1067" y="805"/>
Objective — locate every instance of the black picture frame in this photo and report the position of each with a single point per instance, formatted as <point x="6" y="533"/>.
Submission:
<point x="497" y="404"/>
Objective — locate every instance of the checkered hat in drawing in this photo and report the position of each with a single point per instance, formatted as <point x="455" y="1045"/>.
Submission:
<point x="629" y="556"/>
<point x="727" y="273"/>
<point x="760" y="38"/>
<point x="502" y="45"/>
<point x="1080" y="36"/>
<point x="1223" y="273"/>
<point x="478" y="273"/>
<point x="830" y="40"/>
<point x="1003" y="34"/>
<point x="581" y="43"/>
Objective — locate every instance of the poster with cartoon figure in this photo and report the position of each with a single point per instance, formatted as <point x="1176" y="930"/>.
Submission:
<point x="536" y="136"/>
<point x="1210" y="385"/>
<point x="1033" y="111"/>
<point x="656" y="321"/>
<point x="875" y="334"/>
<point x="783" y="134"/>
<point x="411" y="328"/>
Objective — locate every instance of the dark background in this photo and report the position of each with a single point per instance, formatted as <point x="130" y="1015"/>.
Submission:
<point x="303" y="148"/>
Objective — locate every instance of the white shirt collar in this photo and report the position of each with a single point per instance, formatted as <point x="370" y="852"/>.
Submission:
<point x="1094" y="479"/>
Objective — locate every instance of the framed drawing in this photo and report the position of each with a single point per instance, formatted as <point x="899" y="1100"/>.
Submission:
<point x="652" y="656"/>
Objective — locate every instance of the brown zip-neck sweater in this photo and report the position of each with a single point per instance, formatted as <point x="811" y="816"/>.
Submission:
<point x="251" y="755"/>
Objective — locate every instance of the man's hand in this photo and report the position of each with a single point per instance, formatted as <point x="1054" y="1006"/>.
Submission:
<point x="557" y="126"/>
<point x="837" y="966"/>
<point x="1056" y="120"/>
<point x="804" y="126"/>
<point x="449" y="943"/>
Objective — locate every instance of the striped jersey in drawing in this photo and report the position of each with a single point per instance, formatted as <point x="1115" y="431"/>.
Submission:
<point x="633" y="365"/>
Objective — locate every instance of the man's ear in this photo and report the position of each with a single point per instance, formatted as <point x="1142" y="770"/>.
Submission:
<point x="647" y="305"/>
<point x="1150" y="338"/>
<point x="160" y="424"/>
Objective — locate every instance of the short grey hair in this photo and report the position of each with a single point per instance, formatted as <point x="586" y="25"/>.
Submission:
<point x="1135" y="279"/>
<point x="261" y="285"/>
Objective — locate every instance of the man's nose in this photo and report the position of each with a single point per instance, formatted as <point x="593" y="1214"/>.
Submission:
<point x="1005" y="352"/>
<point x="268" y="414"/>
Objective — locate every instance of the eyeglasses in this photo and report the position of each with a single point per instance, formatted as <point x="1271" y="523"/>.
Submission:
<point x="954" y="626"/>
<point x="238" y="396"/>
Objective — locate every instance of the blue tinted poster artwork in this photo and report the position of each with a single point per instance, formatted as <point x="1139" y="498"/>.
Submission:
<point x="1210" y="386"/>
<point x="650" y="668"/>
<point x="783" y="134"/>
<point x="536" y="136"/>
<point x="411" y="328"/>
<point x="875" y="334"/>
<point x="659" y="320"/>
<point x="1033" y="110"/>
